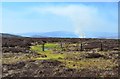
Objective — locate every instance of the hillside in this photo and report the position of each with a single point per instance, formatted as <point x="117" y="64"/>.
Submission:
<point x="9" y="35"/>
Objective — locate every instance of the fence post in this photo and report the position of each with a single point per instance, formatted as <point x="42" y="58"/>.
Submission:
<point x="61" y="46"/>
<point x="101" y="47"/>
<point x="43" y="45"/>
<point x="81" y="47"/>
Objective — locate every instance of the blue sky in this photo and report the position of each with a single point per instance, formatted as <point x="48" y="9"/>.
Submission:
<point x="78" y="17"/>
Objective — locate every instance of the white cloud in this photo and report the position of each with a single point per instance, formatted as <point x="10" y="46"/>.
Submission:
<point x="84" y="18"/>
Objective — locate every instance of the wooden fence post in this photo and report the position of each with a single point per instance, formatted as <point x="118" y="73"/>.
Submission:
<point x="101" y="47"/>
<point x="43" y="46"/>
<point x="61" y="45"/>
<point x="81" y="47"/>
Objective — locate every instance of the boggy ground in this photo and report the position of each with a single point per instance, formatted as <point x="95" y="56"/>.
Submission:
<point x="23" y="57"/>
<point x="54" y="62"/>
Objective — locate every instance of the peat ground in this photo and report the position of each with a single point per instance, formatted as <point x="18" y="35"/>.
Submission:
<point x="62" y="57"/>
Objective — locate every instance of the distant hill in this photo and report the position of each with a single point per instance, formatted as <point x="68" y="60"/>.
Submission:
<point x="58" y="34"/>
<point x="9" y="35"/>
<point x="63" y="34"/>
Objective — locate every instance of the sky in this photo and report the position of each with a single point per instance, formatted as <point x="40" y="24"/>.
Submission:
<point x="77" y="17"/>
<point x="59" y="0"/>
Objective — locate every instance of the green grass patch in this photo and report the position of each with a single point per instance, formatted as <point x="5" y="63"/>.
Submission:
<point x="47" y="46"/>
<point x="36" y="48"/>
<point x="51" y="45"/>
<point x="49" y="53"/>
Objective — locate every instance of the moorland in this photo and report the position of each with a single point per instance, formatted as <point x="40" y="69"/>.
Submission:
<point x="59" y="57"/>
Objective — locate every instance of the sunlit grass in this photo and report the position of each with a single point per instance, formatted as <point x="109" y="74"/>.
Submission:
<point x="90" y="64"/>
<point x="51" y="45"/>
<point x="49" y="53"/>
<point x="47" y="46"/>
